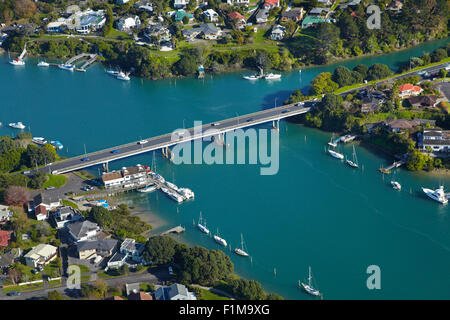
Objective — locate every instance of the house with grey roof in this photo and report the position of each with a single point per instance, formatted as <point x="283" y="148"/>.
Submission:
<point x="207" y="31"/>
<point x="174" y="292"/>
<point x="64" y="216"/>
<point x="93" y="248"/>
<point x="262" y="16"/>
<point x="83" y="230"/>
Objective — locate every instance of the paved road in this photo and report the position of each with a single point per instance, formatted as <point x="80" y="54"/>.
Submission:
<point x="156" y="277"/>
<point x="162" y="141"/>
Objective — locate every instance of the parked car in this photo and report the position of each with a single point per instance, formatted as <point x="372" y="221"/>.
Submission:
<point x="50" y="188"/>
<point x="171" y="271"/>
<point x="14" y="293"/>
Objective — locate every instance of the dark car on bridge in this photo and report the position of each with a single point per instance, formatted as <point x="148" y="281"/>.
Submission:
<point x="85" y="159"/>
<point x="284" y="111"/>
<point x="115" y="151"/>
<point x="250" y="119"/>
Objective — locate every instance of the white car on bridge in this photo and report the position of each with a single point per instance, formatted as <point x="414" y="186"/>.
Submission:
<point x="142" y="142"/>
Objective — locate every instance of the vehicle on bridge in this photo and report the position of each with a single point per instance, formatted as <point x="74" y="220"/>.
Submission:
<point x="115" y="151"/>
<point x="284" y="111"/>
<point x="85" y="159"/>
<point x="250" y="119"/>
<point x="142" y="142"/>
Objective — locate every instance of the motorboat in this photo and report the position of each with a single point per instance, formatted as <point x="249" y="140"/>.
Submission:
<point x="252" y="77"/>
<point x="39" y="140"/>
<point x="437" y="195"/>
<point x="17" y="125"/>
<point x="43" y="64"/>
<point x="396" y="185"/>
<point x="272" y="76"/>
<point x="69" y="67"/>
<point x="123" y="76"/>
<point x="57" y="144"/>
<point x="147" y="189"/>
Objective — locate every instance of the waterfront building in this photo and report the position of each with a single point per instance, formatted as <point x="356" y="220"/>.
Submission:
<point x="82" y="21"/>
<point x="126" y="177"/>
<point x="401" y="125"/>
<point x="207" y="31"/>
<point x="435" y="139"/>
<point x="174" y="292"/>
<point x="40" y="255"/>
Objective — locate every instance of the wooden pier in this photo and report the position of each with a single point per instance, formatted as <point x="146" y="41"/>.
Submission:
<point x="395" y="164"/>
<point x="177" y="229"/>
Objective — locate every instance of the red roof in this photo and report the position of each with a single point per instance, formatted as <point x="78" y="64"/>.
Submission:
<point x="272" y="3"/>
<point x="405" y="87"/>
<point x="140" y="296"/>
<point x="4" y="238"/>
<point x="236" y="16"/>
<point x="41" y="209"/>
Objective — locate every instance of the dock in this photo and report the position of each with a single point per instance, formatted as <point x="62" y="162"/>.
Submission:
<point x="92" y="59"/>
<point x="395" y="164"/>
<point x="177" y="229"/>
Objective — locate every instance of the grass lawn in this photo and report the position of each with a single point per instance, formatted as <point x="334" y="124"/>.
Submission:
<point x="69" y="204"/>
<point x="52" y="269"/>
<point x="83" y="268"/>
<point x="208" y="295"/>
<point x="56" y="181"/>
<point x="84" y="176"/>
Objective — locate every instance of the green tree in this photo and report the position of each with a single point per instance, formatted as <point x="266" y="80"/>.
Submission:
<point x="159" y="249"/>
<point x="438" y="55"/>
<point x="343" y="76"/>
<point x="323" y="83"/>
<point x="54" y="295"/>
<point x="378" y="71"/>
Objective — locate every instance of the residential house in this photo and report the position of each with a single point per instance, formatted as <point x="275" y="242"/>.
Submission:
<point x="127" y="23"/>
<point x="208" y="31"/>
<point x="262" y="16"/>
<point x="370" y="104"/>
<point x="5" y="214"/>
<point x="5" y="236"/>
<point x="174" y="292"/>
<point x="325" y="2"/>
<point x="144" y="5"/>
<point x="90" y="21"/>
<point x="211" y="15"/>
<point x="270" y="4"/>
<point x="57" y="26"/>
<point x="180" y="14"/>
<point x="238" y="2"/>
<point x="350" y="3"/>
<point x="237" y="18"/>
<point x="49" y="202"/>
<point x="427" y="101"/>
<point x="92" y="248"/>
<point x="319" y="12"/>
<point x="295" y="14"/>
<point x="65" y="215"/>
<point x="132" y="250"/>
<point x="157" y="31"/>
<point x="82" y="230"/>
<point x="116" y="261"/>
<point x="140" y="296"/>
<point x="132" y="288"/>
<point x="278" y="32"/>
<point x="40" y="212"/>
<point x="126" y="177"/>
<point x="40" y="255"/>
<point x="401" y="124"/>
<point x="71" y="10"/>
<point x="407" y="90"/>
<point x="370" y="127"/>
<point x="178" y="4"/>
<point x="395" y="6"/>
<point x="436" y="139"/>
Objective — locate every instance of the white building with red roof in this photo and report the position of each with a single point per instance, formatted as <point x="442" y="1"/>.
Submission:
<point x="407" y="90"/>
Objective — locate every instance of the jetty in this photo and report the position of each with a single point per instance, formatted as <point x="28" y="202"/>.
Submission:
<point x="91" y="60"/>
<point x="178" y="229"/>
<point x="395" y="164"/>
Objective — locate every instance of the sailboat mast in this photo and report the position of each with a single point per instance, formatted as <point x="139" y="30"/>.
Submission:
<point x="309" y="277"/>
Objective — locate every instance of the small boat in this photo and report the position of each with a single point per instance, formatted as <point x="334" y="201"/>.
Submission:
<point x="171" y="185"/>
<point x="308" y="287"/>
<point x="272" y="76"/>
<point x="336" y="155"/>
<point x="240" y="251"/>
<point x="123" y="76"/>
<point x="69" y="67"/>
<point x="39" y="140"/>
<point x="201" y="226"/>
<point x="175" y="196"/>
<point x="437" y="195"/>
<point x="147" y="189"/>
<point x="396" y="185"/>
<point x="17" y="62"/>
<point x="186" y="193"/>
<point x="353" y="163"/>
<point x="165" y="190"/>
<point x="57" y="144"/>
<point x="160" y="179"/>
<point x="220" y="240"/>
<point x="17" y="125"/>
<point x="43" y="64"/>
<point x="252" y="77"/>
<point x="112" y="72"/>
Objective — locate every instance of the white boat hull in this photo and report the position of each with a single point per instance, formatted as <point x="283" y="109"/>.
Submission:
<point x="336" y="155"/>
<point x="432" y="194"/>
<point x="220" y="241"/>
<point x="241" y="252"/>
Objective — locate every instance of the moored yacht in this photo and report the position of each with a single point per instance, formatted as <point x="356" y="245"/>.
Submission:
<point x="240" y="251"/>
<point x="57" y="144"/>
<point x="336" y="154"/>
<point x="147" y="189"/>
<point x="252" y="77"/>
<point x="186" y="193"/>
<point x="17" y="62"/>
<point x="353" y="163"/>
<point x="308" y="287"/>
<point x="123" y="76"/>
<point x="43" y="64"/>
<point x="272" y="76"/>
<point x="437" y="195"/>
<point x="396" y="185"/>
<point x="220" y="240"/>
<point x="39" y="140"/>
<point x="201" y="226"/>
<point x="17" y="125"/>
<point x="175" y="196"/>
<point x="69" y="67"/>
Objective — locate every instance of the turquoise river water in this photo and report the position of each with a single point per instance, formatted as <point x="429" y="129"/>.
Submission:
<point x="315" y="212"/>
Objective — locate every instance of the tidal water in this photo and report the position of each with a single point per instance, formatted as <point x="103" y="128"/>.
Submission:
<point x="315" y="212"/>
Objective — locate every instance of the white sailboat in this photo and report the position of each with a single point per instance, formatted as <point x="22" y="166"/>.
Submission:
<point x="396" y="185"/>
<point x="353" y="163"/>
<point x="19" y="61"/>
<point x="336" y="154"/>
<point x="201" y="226"/>
<point x="240" y="251"/>
<point x="220" y="240"/>
<point x="308" y="287"/>
<point x="332" y="143"/>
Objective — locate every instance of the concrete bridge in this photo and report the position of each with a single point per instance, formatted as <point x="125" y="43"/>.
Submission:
<point x="164" y="141"/>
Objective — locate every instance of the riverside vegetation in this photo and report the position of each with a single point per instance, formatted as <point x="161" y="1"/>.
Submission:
<point x="323" y="43"/>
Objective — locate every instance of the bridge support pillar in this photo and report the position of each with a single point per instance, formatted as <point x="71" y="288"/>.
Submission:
<point x="276" y="124"/>
<point x="105" y="167"/>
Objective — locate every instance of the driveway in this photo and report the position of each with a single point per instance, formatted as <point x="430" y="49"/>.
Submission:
<point x="444" y="87"/>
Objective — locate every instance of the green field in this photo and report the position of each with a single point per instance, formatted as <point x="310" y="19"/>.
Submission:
<point x="208" y="295"/>
<point x="56" y="181"/>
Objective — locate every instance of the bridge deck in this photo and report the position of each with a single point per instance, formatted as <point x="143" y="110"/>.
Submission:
<point x="166" y="140"/>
